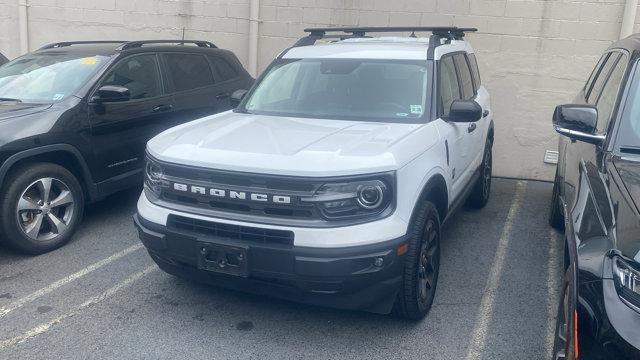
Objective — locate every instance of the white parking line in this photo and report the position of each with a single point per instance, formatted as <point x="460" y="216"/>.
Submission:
<point x="553" y="288"/>
<point x="35" y="295"/>
<point x="42" y="328"/>
<point x="477" y="344"/>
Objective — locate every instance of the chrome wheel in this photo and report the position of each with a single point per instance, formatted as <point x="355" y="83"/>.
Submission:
<point x="45" y="209"/>
<point x="428" y="262"/>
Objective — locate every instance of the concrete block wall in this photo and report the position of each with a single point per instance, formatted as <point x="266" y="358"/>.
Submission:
<point x="533" y="54"/>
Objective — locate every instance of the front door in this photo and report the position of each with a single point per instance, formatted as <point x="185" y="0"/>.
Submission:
<point x="120" y="130"/>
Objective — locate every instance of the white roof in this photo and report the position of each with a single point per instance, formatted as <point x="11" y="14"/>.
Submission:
<point x="397" y="48"/>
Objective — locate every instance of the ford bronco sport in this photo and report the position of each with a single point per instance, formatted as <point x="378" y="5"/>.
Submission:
<point x="330" y="181"/>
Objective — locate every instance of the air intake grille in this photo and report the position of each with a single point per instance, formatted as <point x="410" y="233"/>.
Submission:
<point x="227" y="231"/>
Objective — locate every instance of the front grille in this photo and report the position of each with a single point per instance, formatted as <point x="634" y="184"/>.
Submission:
<point x="228" y="231"/>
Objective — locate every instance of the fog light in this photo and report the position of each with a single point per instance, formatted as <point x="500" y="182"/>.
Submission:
<point x="378" y="262"/>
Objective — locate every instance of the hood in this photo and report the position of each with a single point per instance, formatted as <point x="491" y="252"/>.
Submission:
<point x="630" y="174"/>
<point x="10" y="110"/>
<point x="288" y="146"/>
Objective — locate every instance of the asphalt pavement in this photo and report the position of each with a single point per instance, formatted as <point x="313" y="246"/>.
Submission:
<point x="102" y="297"/>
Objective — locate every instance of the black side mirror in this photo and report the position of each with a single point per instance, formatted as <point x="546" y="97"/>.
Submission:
<point x="464" y="111"/>
<point x="237" y="97"/>
<point x="112" y="93"/>
<point x="578" y="122"/>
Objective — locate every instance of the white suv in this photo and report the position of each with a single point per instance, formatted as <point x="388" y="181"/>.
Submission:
<point x="331" y="180"/>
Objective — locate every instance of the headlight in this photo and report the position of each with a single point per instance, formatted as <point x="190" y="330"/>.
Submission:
<point x="627" y="280"/>
<point x="353" y="199"/>
<point x="153" y="178"/>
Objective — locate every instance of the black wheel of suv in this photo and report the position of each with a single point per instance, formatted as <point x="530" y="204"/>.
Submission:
<point x="479" y="196"/>
<point x="556" y="215"/>
<point x="564" y="339"/>
<point x="422" y="265"/>
<point x="41" y="206"/>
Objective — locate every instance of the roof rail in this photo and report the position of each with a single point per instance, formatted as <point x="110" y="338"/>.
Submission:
<point x="69" y="43"/>
<point x="137" y="44"/>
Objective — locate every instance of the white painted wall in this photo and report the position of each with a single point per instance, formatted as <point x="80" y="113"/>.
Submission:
<point x="533" y="54"/>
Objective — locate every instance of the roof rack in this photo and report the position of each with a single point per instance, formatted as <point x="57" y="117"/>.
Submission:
<point x="69" y="43"/>
<point x="137" y="44"/>
<point x="448" y="33"/>
<point x="130" y="44"/>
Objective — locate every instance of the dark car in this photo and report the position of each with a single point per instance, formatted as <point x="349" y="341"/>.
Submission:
<point x="3" y="59"/>
<point x="596" y="198"/>
<point x="75" y="118"/>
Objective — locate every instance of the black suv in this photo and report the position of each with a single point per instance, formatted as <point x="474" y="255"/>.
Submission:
<point x="75" y="118"/>
<point x="596" y="199"/>
<point x="3" y="59"/>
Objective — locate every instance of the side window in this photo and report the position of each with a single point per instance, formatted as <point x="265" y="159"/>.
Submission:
<point x="601" y="78"/>
<point x="449" y="87"/>
<point x="466" y="82"/>
<point x="188" y="71"/>
<point x="225" y="70"/>
<point x="609" y="95"/>
<point x="475" y="72"/>
<point x="139" y="74"/>
<point x="594" y="73"/>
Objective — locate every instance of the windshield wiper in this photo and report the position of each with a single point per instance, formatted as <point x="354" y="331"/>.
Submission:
<point x="10" y="99"/>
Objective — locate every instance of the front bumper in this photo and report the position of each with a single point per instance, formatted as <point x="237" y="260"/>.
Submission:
<point x="346" y="278"/>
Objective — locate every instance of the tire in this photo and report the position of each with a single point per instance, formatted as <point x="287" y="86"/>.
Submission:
<point x="479" y="196"/>
<point x="556" y="215"/>
<point x="35" y="220"/>
<point x="564" y="339"/>
<point x="422" y="265"/>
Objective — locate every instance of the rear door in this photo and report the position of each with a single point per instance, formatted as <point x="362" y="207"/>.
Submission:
<point x="120" y="130"/>
<point x="194" y="89"/>
<point x="472" y="89"/>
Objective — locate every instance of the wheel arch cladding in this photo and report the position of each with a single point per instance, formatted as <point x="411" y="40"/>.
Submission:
<point x="436" y="191"/>
<point x="64" y="155"/>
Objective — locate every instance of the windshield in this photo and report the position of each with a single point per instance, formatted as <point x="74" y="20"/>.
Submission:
<point x="368" y="90"/>
<point x="630" y="134"/>
<point x="46" y="78"/>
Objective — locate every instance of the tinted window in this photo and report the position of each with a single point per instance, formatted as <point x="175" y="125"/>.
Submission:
<point x="587" y="86"/>
<point x="609" y="95"/>
<point x="225" y="70"/>
<point x="449" y="87"/>
<point x="601" y="78"/>
<point x="465" y="76"/>
<point x="188" y="71"/>
<point x="475" y="72"/>
<point x="139" y="74"/>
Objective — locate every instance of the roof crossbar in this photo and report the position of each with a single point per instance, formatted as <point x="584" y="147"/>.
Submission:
<point x="448" y="32"/>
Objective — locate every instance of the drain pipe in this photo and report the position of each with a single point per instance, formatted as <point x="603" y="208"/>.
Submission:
<point x="23" y="24"/>
<point x="254" y="20"/>
<point x="628" y="18"/>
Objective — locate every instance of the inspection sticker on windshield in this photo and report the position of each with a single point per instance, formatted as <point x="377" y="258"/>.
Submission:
<point x="416" y="109"/>
<point x="89" y="61"/>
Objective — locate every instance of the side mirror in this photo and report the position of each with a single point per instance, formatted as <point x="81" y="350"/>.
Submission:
<point x="578" y="122"/>
<point x="237" y="97"/>
<point x="465" y="111"/>
<point x="112" y="93"/>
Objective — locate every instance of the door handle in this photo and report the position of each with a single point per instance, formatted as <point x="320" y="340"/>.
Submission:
<point x="471" y="128"/>
<point x="485" y="113"/>
<point x="162" y="108"/>
<point x="222" y="96"/>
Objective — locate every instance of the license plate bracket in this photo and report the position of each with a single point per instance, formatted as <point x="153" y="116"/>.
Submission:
<point x="225" y="259"/>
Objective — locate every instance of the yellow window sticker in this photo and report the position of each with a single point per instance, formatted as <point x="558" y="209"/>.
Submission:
<point x="89" y="61"/>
